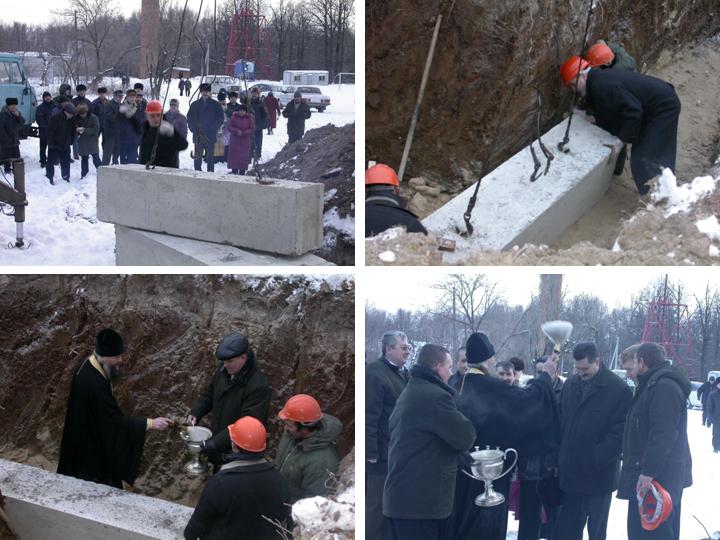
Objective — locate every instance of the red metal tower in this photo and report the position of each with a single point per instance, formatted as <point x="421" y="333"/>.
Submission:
<point x="250" y="40"/>
<point x="668" y="324"/>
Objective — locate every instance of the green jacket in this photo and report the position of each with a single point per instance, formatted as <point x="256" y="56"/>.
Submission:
<point x="623" y="60"/>
<point x="248" y="394"/>
<point x="306" y="465"/>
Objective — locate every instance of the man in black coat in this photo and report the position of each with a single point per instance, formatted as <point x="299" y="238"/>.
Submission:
<point x="100" y="107"/>
<point x="296" y="111"/>
<point x="427" y="435"/>
<point x="61" y="134"/>
<point x="111" y="137"/>
<point x="205" y="117"/>
<point x="244" y="499"/>
<point x="385" y="380"/>
<point x="460" y="367"/>
<point x="42" y="118"/>
<point x="504" y="416"/>
<point x="639" y="110"/>
<point x="154" y="131"/>
<point x="655" y="443"/>
<point x="703" y="393"/>
<point x="384" y="208"/>
<point x="99" y="443"/>
<point x="81" y="89"/>
<point x="257" y="107"/>
<point x="593" y="406"/>
<point x="10" y="123"/>
<point x="237" y="389"/>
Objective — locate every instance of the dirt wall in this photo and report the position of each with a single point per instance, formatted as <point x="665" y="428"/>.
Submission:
<point x="302" y="330"/>
<point x="485" y="48"/>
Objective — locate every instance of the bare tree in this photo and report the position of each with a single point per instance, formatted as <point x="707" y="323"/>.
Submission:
<point x="468" y="299"/>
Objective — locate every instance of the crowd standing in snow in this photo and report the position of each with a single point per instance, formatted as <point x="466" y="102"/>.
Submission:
<point x="577" y="441"/>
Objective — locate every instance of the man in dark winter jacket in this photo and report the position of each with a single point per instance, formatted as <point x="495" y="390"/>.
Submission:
<point x="257" y="108"/>
<point x="593" y="406"/>
<point x="427" y="435"/>
<point x="655" y="442"/>
<point x="61" y="134"/>
<point x="460" y="366"/>
<point x="237" y="389"/>
<point x="87" y="129"/>
<point x="154" y="131"/>
<point x="129" y="120"/>
<point x="307" y="458"/>
<point x="111" y="136"/>
<point x="703" y="394"/>
<point x="385" y="379"/>
<point x="504" y="416"/>
<point x="296" y="112"/>
<point x="42" y="118"/>
<point x="204" y="120"/>
<point x="140" y="100"/>
<point x="64" y="94"/>
<point x="100" y="107"/>
<point x="637" y="109"/>
<point x="233" y="106"/>
<point x="384" y="208"/>
<point x="714" y="415"/>
<point x="244" y="499"/>
<point x="10" y="123"/>
<point x="81" y="89"/>
<point x="176" y="118"/>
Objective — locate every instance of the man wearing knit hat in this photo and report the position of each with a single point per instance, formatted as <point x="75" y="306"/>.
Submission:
<point x="238" y="388"/>
<point x="10" y="123"/>
<point x="505" y="416"/>
<point x="99" y="443"/>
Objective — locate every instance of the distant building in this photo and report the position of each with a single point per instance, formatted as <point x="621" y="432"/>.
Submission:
<point x="179" y="72"/>
<point x="305" y="77"/>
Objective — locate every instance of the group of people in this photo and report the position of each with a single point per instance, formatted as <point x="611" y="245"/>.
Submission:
<point x="709" y="396"/>
<point x="578" y="440"/>
<point x="248" y="491"/>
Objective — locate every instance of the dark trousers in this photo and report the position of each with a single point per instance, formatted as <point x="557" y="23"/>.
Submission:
<point x="75" y="150"/>
<point x="238" y="171"/>
<point x="716" y="436"/>
<point x="668" y="530"/>
<point x="7" y="153"/>
<point x="61" y="155"/>
<point x="257" y="143"/>
<point x="418" y="529"/>
<point x="111" y="150"/>
<point x="85" y="166"/>
<point x="580" y="510"/>
<point x="43" y="147"/>
<point x="377" y="526"/>
<point x="209" y="148"/>
<point x="187" y="92"/>
<point x="292" y="137"/>
<point x="704" y="415"/>
<point x="530" y="511"/>
<point x="128" y="152"/>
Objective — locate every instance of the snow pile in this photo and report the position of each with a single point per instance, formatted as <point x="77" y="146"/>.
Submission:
<point x="681" y="198"/>
<point x="709" y="226"/>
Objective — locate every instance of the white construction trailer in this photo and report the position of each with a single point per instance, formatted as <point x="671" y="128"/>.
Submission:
<point x="304" y="78"/>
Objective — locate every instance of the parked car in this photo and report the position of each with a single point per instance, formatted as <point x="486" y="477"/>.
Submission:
<point x="265" y="88"/>
<point x="222" y="82"/>
<point x="693" y="402"/>
<point x="310" y="95"/>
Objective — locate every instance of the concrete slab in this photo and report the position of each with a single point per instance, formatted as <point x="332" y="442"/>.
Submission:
<point x="511" y="210"/>
<point x="46" y="506"/>
<point x="285" y="217"/>
<point x="134" y="247"/>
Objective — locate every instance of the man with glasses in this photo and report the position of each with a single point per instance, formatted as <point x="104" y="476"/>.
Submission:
<point x="385" y="379"/>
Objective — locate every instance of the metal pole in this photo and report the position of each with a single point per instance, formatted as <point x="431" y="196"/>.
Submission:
<point x="19" y="182"/>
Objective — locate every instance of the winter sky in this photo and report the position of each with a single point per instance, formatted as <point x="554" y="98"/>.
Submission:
<point x="615" y="286"/>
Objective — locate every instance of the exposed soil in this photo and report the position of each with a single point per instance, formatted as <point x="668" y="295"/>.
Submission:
<point x="326" y="155"/>
<point x="302" y="330"/>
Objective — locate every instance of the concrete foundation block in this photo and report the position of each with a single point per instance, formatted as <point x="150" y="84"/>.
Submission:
<point x="511" y="210"/>
<point x="134" y="247"/>
<point x="42" y="505"/>
<point x="284" y="217"/>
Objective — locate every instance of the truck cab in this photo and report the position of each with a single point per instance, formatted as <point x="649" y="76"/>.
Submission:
<point x="13" y="83"/>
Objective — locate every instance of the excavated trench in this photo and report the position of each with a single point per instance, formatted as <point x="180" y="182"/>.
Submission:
<point x="302" y="330"/>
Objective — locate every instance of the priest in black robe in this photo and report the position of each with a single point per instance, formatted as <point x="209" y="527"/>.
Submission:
<point x="526" y="419"/>
<point x="99" y="442"/>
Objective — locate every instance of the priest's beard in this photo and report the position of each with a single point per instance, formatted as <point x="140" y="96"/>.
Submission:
<point x="113" y="372"/>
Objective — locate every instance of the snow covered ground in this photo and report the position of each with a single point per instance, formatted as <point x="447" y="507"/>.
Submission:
<point x="699" y="500"/>
<point x="61" y="226"/>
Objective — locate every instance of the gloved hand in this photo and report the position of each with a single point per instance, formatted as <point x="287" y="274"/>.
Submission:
<point x="166" y="129"/>
<point x="127" y="109"/>
<point x="211" y="450"/>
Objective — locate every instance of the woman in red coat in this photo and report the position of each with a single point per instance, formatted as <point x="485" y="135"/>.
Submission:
<point x="273" y="108"/>
<point x="242" y="130"/>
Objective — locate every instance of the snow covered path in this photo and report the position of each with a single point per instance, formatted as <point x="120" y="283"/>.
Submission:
<point x="61" y="224"/>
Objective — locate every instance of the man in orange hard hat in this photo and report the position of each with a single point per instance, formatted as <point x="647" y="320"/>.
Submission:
<point x="610" y="56"/>
<point x="637" y="109"/>
<point x="160" y="142"/>
<point x="245" y="499"/>
<point x="307" y="458"/>
<point x="384" y="208"/>
<point x="655" y="445"/>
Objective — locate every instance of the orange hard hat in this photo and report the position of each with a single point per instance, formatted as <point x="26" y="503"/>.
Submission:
<point x="154" y="106"/>
<point x="301" y="408"/>
<point x="249" y="434"/>
<point x="655" y="507"/>
<point x="381" y="174"/>
<point x="569" y="70"/>
<point x="599" y="55"/>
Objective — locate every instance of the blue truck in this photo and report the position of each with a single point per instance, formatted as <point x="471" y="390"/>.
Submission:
<point x="13" y="83"/>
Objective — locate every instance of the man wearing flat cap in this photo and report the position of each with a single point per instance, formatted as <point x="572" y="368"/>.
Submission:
<point x="238" y="388"/>
<point x="505" y="416"/>
<point x="99" y="443"/>
<point x="10" y="123"/>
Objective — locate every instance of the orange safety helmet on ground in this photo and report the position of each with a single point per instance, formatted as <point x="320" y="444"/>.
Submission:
<point x="154" y="106"/>
<point x="249" y="434"/>
<point x="381" y="174"/>
<point x="301" y="408"/>
<point x="599" y="55"/>
<point x="655" y="507"/>
<point x="569" y="70"/>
